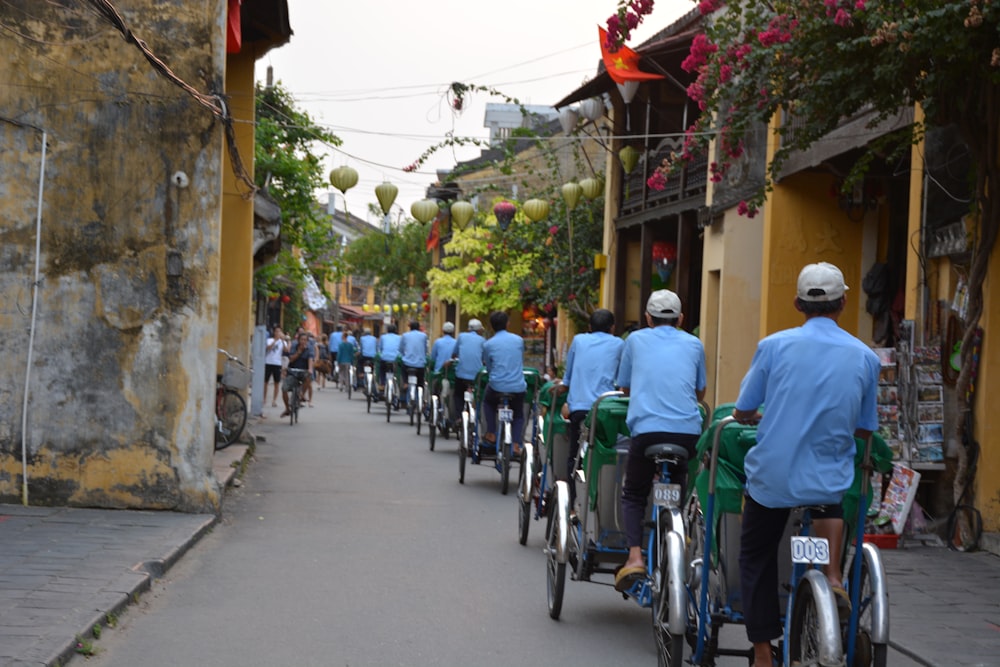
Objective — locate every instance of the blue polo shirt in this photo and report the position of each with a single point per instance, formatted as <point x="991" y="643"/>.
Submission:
<point x="369" y="345"/>
<point x="469" y="352"/>
<point x="591" y="365"/>
<point x="441" y="351"/>
<point x="819" y="384"/>
<point x="413" y="347"/>
<point x="388" y="346"/>
<point x="503" y="356"/>
<point x="663" y="367"/>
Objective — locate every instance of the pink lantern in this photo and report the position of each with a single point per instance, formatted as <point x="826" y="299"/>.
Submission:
<point x="664" y="259"/>
<point x="504" y="211"/>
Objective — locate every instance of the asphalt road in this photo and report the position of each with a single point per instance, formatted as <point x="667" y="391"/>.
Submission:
<point x="351" y="544"/>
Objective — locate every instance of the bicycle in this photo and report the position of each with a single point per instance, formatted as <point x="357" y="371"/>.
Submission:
<point x="468" y="435"/>
<point x="369" y="387"/>
<point x="391" y="391"/>
<point x="414" y="399"/>
<point x="295" y="385"/>
<point x="230" y="406"/>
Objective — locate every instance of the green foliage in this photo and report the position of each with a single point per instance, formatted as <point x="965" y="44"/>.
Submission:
<point x="290" y="170"/>
<point x="399" y="261"/>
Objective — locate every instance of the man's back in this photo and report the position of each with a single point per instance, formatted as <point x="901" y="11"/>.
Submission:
<point x="503" y="356"/>
<point x="413" y="347"/>
<point x="591" y="366"/>
<point x="388" y="346"/>
<point x="818" y="384"/>
<point x="441" y="351"/>
<point x="369" y="345"/>
<point x="469" y="349"/>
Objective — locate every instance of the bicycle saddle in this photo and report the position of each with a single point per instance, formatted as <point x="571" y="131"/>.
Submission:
<point x="667" y="450"/>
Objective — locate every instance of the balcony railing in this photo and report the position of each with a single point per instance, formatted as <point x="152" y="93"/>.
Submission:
<point x="689" y="183"/>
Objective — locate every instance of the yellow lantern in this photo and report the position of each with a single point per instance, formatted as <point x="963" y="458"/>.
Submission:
<point x="536" y="209"/>
<point x="344" y="178"/>
<point x="365" y="307"/>
<point x="395" y="307"/>
<point x="461" y="213"/>
<point x="386" y="195"/>
<point x="571" y="194"/>
<point x="413" y="306"/>
<point x="629" y="157"/>
<point x="378" y="308"/>
<point x="591" y="187"/>
<point x="424" y="210"/>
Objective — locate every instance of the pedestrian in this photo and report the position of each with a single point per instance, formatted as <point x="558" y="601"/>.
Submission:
<point x="820" y="385"/>
<point x="591" y="367"/>
<point x="468" y="359"/>
<point x="662" y="370"/>
<point x="503" y="356"/>
<point x="323" y="364"/>
<point x="274" y="350"/>
<point x="345" y="357"/>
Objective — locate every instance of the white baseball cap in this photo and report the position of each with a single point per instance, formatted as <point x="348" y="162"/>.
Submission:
<point x="663" y="304"/>
<point x="821" y="282"/>
<point x="448" y="327"/>
<point x="475" y="325"/>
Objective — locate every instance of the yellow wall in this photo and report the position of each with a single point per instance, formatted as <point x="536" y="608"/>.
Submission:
<point x="987" y="394"/>
<point x="236" y="278"/>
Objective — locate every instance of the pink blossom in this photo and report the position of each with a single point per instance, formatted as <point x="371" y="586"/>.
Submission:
<point x="725" y="73"/>
<point x="489" y="246"/>
<point x="706" y="7"/>
<point x="657" y="181"/>
<point x="489" y="283"/>
<point x="479" y="260"/>
<point x="582" y="270"/>
<point x="553" y="230"/>
<point x="843" y="18"/>
<point x="571" y="297"/>
<point x="859" y="5"/>
<point x="471" y="279"/>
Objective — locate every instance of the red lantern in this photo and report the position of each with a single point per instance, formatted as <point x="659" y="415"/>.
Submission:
<point x="285" y="298"/>
<point x="427" y="307"/>
<point x="424" y="295"/>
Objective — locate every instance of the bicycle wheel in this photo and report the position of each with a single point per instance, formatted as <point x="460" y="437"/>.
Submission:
<point x="463" y="446"/>
<point x="369" y="391"/>
<point x="419" y="409"/>
<point x="504" y="468"/>
<point x="388" y="401"/>
<point x="871" y="647"/>
<point x="432" y="423"/>
<point x="814" y="630"/>
<point x="965" y="528"/>
<point x="669" y="601"/>
<point x="555" y="541"/>
<point x="524" y="498"/>
<point x="231" y="418"/>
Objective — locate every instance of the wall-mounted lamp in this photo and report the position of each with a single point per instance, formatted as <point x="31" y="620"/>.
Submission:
<point x="857" y="201"/>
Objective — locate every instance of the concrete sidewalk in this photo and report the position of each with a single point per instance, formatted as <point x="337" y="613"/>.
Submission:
<point x="64" y="570"/>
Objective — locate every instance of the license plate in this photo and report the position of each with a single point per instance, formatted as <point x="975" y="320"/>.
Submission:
<point x="506" y="415"/>
<point x="411" y="379"/>
<point x="468" y="397"/>
<point x="667" y="495"/>
<point x="811" y="550"/>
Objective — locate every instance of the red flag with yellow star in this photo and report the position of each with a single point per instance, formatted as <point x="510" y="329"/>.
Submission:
<point x="623" y="64"/>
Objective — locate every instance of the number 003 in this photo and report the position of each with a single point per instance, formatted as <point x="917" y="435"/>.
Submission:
<point x="810" y="550"/>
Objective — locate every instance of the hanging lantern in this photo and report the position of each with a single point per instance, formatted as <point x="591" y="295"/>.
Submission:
<point x="427" y="307"/>
<point x="568" y="118"/>
<point x="664" y="259"/>
<point x="461" y="213"/>
<point x="285" y="298"/>
<point x="344" y="178"/>
<point x="504" y="211"/>
<point x="592" y="109"/>
<point x="413" y="306"/>
<point x="395" y="307"/>
<point x="629" y="157"/>
<point x="536" y="209"/>
<point x="628" y="90"/>
<point x="424" y="210"/>
<point x="365" y="307"/>
<point x="377" y="308"/>
<point x="571" y="194"/>
<point x="386" y="195"/>
<point x="591" y="187"/>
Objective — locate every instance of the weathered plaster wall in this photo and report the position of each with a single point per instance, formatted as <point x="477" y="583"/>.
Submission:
<point x="120" y="397"/>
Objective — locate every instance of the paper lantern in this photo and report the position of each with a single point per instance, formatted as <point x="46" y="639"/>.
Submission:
<point x="377" y="308"/>
<point x="461" y="213"/>
<point x="591" y="187"/>
<point x="568" y="118"/>
<point x="536" y="209"/>
<point x="395" y="307"/>
<point x="571" y="194"/>
<point x="592" y="109"/>
<point x="285" y="298"/>
<point x="629" y="157"/>
<point x="344" y="178"/>
<point x="504" y="211"/>
<point x="424" y="210"/>
<point x="413" y="306"/>
<point x="386" y="195"/>
<point x="427" y="307"/>
<point x="628" y="90"/>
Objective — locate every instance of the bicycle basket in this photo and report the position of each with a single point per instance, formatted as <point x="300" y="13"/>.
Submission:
<point x="235" y="375"/>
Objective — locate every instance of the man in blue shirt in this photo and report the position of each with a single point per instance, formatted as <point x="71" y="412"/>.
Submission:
<point x="662" y="370"/>
<point x="503" y="356"/>
<point x="388" y="350"/>
<point x="368" y="347"/>
<point x="443" y="347"/>
<point x="413" y="350"/>
<point x="820" y="385"/>
<point x="591" y="365"/>
<point x="468" y="356"/>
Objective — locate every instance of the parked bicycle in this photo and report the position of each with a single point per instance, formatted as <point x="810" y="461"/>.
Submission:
<point x="230" y="406"/>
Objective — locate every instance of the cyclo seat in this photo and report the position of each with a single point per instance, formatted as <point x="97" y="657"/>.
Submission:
<point x="667" y="451"/>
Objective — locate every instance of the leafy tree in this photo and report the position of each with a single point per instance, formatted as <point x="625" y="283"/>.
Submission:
<point x="399" y="260"/>
<point x="822" y="61"/>
<point x="290" y="170"/>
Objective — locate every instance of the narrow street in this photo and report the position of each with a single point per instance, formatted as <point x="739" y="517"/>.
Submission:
<point x="350" y="543"/>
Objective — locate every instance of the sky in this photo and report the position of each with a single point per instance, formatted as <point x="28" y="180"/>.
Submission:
<point x="376" y="75"/>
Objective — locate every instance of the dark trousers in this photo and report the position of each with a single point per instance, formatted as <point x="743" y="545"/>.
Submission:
<point x="491" y="400"/>
<point x="573" y="431"/>
<point x="639" y="472"/>
<point x="760" y="543"/>
<point x="458" y="394"/>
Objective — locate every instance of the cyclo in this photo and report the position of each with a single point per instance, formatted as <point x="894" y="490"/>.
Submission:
<point x="502" y="453"/>
<point x="709" y="589"/>
<point x="439" y="408"/>
<point x="593" y="542"/>
<point x="545" y="460"/>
